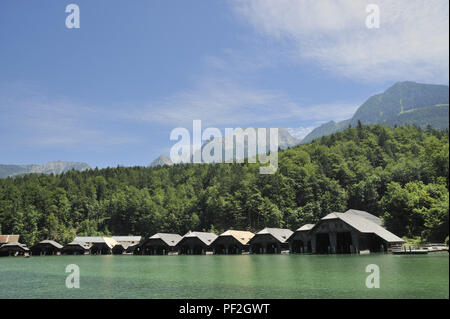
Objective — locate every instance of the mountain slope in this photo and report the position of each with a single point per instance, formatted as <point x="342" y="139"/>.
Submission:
<point x="56" y="167"/>
<point x="402" y="103"/>
<point x="161" y="161"/>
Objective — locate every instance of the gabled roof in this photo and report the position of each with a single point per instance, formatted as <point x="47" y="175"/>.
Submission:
<point x="110" y="242"/>
<point x="280" y="234"/>
<point x="242" y="236"/>
<point x="169" y="239"/>
<point x="89" y="239"/>
<point x="15" y="244"/>
<point x="124" y="245"/>
<point x="127" y="238"/>
<point x="76" y="243"/>
<point x="365" y="225"/>
<point x="9" y="239"/>
<point x="305" y="227"/>
<point x="366" y="215"/>
<point x="50" y="242"/>
<point x="207" y="238"/>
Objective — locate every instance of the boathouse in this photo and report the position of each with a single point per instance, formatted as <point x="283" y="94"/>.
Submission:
<point x="127" y="240"/>
<point x="124" y="244"/>
<point x="195" y="243"/>
<point x="46" y="247"/>
<point x="119" y="249"/>
<point x="161" y="244"/>
<point x="14" y="249"/>
<point x="354" y="231"/>
<point x="98" y="245"/>
<point x="232" y="242"/>
<point x="270" y="241"/>
<point x="75" y="248"/>
<point x="103" y="246"/>
<point x="300" y="240"/>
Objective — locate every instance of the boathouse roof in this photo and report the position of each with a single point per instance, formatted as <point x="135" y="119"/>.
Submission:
<point x="169" y="239"/>
<point x="127" y="238"/>
<point x="207" y="238"/>
<point x="77" y="243"/>
<point x="13" y="245"/>
<point x="364" y="225"/>
<point x="366" y="215"/>
<point x="306" y="227"/>
<point x="49" y="242"/>
<point x="110" y="242"/>
<point x="89" y="239"/>
<point x="242" y="236"/>
<point x="4" y="239"/>
<point x="280" y="234"/>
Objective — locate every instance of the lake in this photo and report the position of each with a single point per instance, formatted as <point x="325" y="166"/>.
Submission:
<point x="232" y="276"/>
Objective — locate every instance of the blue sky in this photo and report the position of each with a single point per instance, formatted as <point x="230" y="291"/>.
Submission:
<point x="110" y="92"/>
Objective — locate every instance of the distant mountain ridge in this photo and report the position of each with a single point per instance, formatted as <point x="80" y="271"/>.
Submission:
<point x="56" y="167"/>
<point x="161" y="161"/>
<point x="401" y="104"/>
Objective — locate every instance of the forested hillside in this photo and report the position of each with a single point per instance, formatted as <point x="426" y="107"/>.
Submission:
<point x="398" y="173"/>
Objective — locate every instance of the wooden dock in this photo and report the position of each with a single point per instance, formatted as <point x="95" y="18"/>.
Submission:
<point x="411" y="252"/>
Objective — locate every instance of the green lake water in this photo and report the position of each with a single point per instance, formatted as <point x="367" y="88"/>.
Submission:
<point x="214" y="276"/>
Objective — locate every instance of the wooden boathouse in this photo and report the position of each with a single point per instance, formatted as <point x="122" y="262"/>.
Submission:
<point x="300" y="240"/>
<point x="232" y="242"/>
<point x="125" y="244"/>
<point x="270" y="241"/>
<point x="5" y="239"/>
<point x="75" y="248"/>
<point x="196" y="243"/>
<point x="161" y="244"/>
<point x="98" y="245"/>
<point x="46" y="247"/>
<point x="14" y="249"/>
<point x="351" y="232"/>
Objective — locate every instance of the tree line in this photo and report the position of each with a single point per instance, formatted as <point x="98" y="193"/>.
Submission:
<point x="400" y="174"/>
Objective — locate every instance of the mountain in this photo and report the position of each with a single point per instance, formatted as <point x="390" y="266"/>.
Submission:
<point x="403" y="103"/>
<point x="57" y="167"/>
<point x="285" y="140"/>
<point x="161" y="161"/>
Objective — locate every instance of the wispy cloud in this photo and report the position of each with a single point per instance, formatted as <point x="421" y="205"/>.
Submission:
<point x="225" y="103"/>
<point x="33" y="119"/>
<point x="412" y="41"/>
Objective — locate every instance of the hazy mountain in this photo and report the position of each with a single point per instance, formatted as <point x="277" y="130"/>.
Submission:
<point x="161" y="161"/>
<point x="57" y="167"/>
<point x="402" y="103"/>
<point x="285" y="140"/>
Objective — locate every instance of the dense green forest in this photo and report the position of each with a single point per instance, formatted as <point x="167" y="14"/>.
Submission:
<point x="400" y="174"/>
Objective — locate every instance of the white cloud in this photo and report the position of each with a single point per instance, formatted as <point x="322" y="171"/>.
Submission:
<point x="411" y="44"/>
<point x="224" y="103"/>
